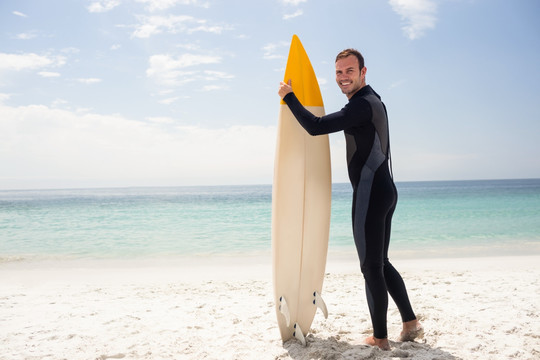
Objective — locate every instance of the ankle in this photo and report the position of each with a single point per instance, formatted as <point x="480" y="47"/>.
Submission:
<point x="411" y="330"/>
<point x="411" y="325"/>
<point x="382" y="344"/>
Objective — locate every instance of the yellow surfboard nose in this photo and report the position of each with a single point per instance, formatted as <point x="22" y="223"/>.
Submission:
<point x="300" y="72"/>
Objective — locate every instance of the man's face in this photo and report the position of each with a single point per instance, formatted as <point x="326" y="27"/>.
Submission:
<point x="349" y="77"/>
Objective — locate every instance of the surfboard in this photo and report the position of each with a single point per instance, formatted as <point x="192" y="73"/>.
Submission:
<point x="301" y="199"/>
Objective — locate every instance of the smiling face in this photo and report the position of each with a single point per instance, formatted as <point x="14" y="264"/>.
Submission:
<point x="349" y="77"/>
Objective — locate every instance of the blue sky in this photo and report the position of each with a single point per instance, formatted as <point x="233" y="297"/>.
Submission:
<point x="184" y="92"/>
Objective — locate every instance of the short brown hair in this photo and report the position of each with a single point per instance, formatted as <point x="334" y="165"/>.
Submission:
<point x="348" y="52"/>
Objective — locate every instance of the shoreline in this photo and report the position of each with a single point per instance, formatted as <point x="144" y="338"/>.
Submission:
<point x="246" y="259"/>
<point x="397" y="251"/>
<point x="471" y="308"/>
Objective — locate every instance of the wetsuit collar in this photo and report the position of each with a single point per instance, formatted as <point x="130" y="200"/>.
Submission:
<point x="366" y="90"/>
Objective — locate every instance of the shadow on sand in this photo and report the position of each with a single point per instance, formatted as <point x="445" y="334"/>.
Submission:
<point x="333" y="348"/>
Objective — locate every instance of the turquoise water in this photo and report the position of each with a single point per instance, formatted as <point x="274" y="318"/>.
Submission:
<point x="432" y="219"/>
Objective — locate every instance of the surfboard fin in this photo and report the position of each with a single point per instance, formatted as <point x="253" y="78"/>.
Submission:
<point x="284" y="310"/>
<point x="298" y="334"/>
<point x="319" y="302"/>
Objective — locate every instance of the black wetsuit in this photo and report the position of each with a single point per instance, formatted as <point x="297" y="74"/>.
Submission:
<point x="365" y="124"/>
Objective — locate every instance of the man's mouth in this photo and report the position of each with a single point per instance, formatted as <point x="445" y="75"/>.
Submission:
<point x="345" y="83"/>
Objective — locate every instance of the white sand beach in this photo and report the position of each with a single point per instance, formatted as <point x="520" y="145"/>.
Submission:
<point x="222" y="308"/>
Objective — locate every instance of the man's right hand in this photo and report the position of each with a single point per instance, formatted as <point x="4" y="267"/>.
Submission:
<point x="284" y="88"/>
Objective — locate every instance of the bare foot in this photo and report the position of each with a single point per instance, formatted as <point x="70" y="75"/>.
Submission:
<point x="411" y="330"/>
<point x="381" y="343"/>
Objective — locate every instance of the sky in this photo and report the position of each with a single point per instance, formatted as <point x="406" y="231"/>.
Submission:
<point x="120" y="93"/>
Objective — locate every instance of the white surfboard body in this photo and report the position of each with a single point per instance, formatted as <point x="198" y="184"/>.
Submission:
<point x="301" y="201"/>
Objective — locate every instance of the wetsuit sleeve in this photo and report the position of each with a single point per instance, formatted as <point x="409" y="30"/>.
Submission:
<point x="354" y="114"/>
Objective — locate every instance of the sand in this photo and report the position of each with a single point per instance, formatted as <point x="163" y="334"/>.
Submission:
<point x="222" y="308"/>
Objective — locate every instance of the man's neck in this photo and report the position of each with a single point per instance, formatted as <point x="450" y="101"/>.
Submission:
<point x="349" y="96"/>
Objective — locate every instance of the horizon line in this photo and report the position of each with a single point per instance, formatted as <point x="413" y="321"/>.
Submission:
<point x="239" y="185"/>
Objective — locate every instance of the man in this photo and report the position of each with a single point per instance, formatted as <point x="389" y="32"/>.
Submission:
<point x="365" y="124"/>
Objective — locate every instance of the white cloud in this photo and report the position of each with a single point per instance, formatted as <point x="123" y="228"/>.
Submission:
<point x="58" y="103"/>
<point x="80" y="110"/>
<point x="293" y="2"/>
<point x="274" y="50"/>
<point x="397" y="83"/>
<point x="48" y="74"/>
<point x="174" y="24"/>
<point x="88" y="80"/>
<point x="216" y="75"/>
<point x="26" y="36"/>
<point x="418" y="15"/>
<point x="166" y="70"/>
<point x="182" y="61"/>
<point x="30" y="61"/>
<point x="322" y="81"/>
<point x="70" y="50"/>
<point x="213" y="87"/>
<point x="297" y="13"/>
<point x="39" y="143"/>
<point x="152" y="25"/>
<point x="156" y="5"/>
<point x="433" y="165"/>
<point x="101" y="6"/>
<point x="18" y="13"/>
<point x="4" y="97"/>
<point x="215" y="29"/>
<point x="169" y="100"/>
<point x="161" y="120"/>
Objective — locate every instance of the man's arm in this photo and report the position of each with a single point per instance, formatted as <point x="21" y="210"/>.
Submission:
<point x="350" y="116"/>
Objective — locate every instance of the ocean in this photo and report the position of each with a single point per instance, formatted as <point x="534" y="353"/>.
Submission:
<point x="432" y="219"/>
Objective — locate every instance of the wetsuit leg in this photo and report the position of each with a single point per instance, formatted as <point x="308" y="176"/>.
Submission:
<point x="373" y="205"/>
<point x="394" y="281"/>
